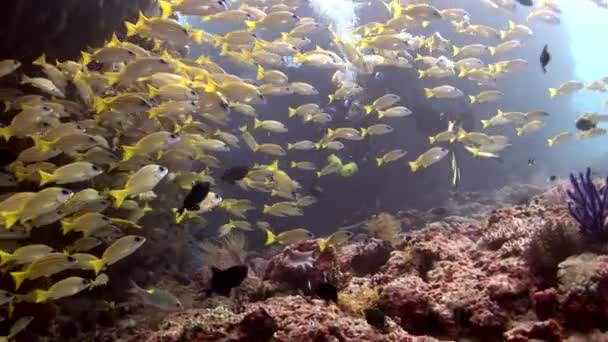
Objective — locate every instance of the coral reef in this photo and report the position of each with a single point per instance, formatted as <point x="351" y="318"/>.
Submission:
<point x="522" y="273"/>
<point x="589" y="206"/>
<point x="384" y="226"/>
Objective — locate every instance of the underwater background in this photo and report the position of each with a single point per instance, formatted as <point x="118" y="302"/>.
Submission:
<point x="416" y="222"/>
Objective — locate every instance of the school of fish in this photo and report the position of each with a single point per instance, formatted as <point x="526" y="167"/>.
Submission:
<point x="140" y="112"/>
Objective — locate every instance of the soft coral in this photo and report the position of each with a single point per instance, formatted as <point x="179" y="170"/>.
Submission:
<point x="589" y="206"/>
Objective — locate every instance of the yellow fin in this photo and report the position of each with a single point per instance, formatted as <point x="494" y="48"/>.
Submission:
<point x="128" y="152"/>
<point x="414" y="166"/>
<point x="45" y="177"/>
<point x="131" y="29"/>
<point x="18" y="278"/>
<point x="368" y="109"/>
<point x="41" y="296"/>
<point x="270" y="237"/>
<point x="250" y="25"/>
<point x="40" y="60"/>
<point x="97" y="265"/>
<point x="428" y="92"/>
<point x="119" y="196"/>
<point x="379" y="161"/>
<point x="165" y="9"/>
<point x="4" y="257"/>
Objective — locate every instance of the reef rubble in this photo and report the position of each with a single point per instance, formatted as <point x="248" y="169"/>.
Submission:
<point x="452" y="280"/>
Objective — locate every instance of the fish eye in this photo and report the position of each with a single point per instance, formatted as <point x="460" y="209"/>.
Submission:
<point x="261" y="97"/>
<point x="192" y="92"/>
<point x="162" y="168"/>
<point x="248" y="16"/>
<point x="143" y="102"/>
<point x="193" y="103"/>
<point x="78" y="127"/>
<point x="45" y="124"/>
<point x="254" y="35"/>
<point x="162" y="61"/>
<point x="173" y="136"/>
<point x="46" y="108"/>
<point x="185" y="31"/>
<point x="91" y="139"/>
<point x="107" y="219"/>
<point x="65" y="192"/>
<point x="70" y="259"/>
<point x="95" y="168"/>
<point x="220" y="2"/>
<point x="295" y="16"/>
<point x="138" y="239"/>
<point x="130" y="53"/>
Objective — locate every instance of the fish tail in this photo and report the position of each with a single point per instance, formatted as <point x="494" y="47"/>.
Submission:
<point x="66" y="226"/>
<point x="119" y="196"/>
<point x="381" y="114"/>
<point x="292" y="112"/>
<point x="418" y="57"/>
<point x="10" y="219"/>
<point x="197" y="36"/>
<point x="428" y="92"/>
<point x="485" y="124"/>
<point x="112" y="77"/>
<point x="519" y="131"/>
<point x="463" y="72"/>
<point x="502" y="34"/>
<point x="368" y="109"/>
<point x="41" y="296"/>
<point x="456" y="50"/>
<point x="18" y="278"/>
<point x="153" y="112"/>
<point x="128" y="152"/>
<point x="379" y="161"/>
<point x="97" y="265"/>
<point x="4" y="257"/>
<point x="492" y="50"/>
<point x="26" y="79"/>
<point x="550" y="142"/>
<point x="225" y="230"/>
<point x="260" y="72"/>
<point x="45" y="177"/>
<point x="86" y="58"/>
<point x="511" y="24"/>
<point x="364" y="44"/>
<point x="165" y="9"/>
<point x="99" y="104"/>
<point x="270" y="237"/>
<point x="293" y="164"/>
<point x="364" y="131"/>
<point x="473" y="99"/>
<point x="40" y="60"/>
<point x="289" y="146"/>
<point x="331" y="98"/>
<point x="318" y="174"/>
<point x="5" y="132"/>
<point x="414" y="166"/>
<point x="152" y="92"/>
<point x="131" y="29"/>
<point x="322" y="244"/>
<point x="256" y="123"/>
<point x="422" y="73"/>
<point x="553" y="92"/>
<point x="432" y="140"/>
<point x="250" y="25"/>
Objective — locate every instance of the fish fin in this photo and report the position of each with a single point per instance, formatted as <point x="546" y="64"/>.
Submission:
<point x="331" y="98"/>
<point x="153" y="112"/>
<point x="225" y="230"/>
<point x="165" y="9"/>
<point x="550" y="142"/>
<point x="40" y="60"/>
<point x="381" y="114"/>
<point x="428" y="92"/>
<point x="152" y="92"/>
<point x="260" y="72"/>
<point x="519" y="131"/>
<point x="41" y="296"/>
<point x="131" y="29"/>
<point x="421" y="74"/>
<point x="553" y="92"/>
<point x="4" y="257"/>
<point x="250" y="25"/>
<point x="368" y="109"/>
<point x="10" y="219"/>
<point x="45" y="177"/>
<point x="18" y="278"/>
<point x="99" y="104"/>
<point x="293" y="164"/>
<point x="456" y="50"/>
<point x="128" y="152"/>
<point x="5" y="132"/>
<point x="112" y="77"/>
<point x="289" y="147"/>
<point x="432" y="140"/>
<point x="270" y="237"/>
<point x="119" y="196"/>
<point x="364" y="131"/>
<point x="197" y="36"/>
<point x="379" y="161"/>
<point x="292" y="112"/>
<point x="97" y="265"/>
<point x="26" y="79"/>
<point x="492" y="50"/>
<point x="485" y="124"/>
<point x="425" y="24"/>
<point x="414" y="166"/>
<point x="256" y="123"/>
<point x="66" y="226"/>
<point x="322" y="244"/>
<point x="86" y="58"/>
<point x="473" y="99"/>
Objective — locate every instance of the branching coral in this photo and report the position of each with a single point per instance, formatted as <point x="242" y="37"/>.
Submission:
<point x="589" y="206"/>
<point x="385" y="227"/>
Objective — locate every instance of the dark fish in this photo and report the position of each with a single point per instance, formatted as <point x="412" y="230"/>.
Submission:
<point x="552" y="178"/>
<point x="6" y="157"/>
<point x="327" y="292"/>
<point x="585" y="124"/>
<point x="545" y="58"/>
<point x="525" y="2"/>
<point x="234" y="174"/>
<point x="223" y="281"/>
<point x="196" y="195"/>
<point x="375" y="317"/>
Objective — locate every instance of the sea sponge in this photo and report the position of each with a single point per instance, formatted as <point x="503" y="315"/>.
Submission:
<point x="385" y="227"/>
<point x="357" y="297"/>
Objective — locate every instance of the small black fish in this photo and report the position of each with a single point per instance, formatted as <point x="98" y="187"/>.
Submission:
<point x="585" y="124"/>
<point x="196" y="195"/>
<point x="552" y="178"/>
<point x="545" y="58"/>
<point x="234" y="174"/>
<point x="327" y="292"/>
<point x="223" y="281"/>
<point x="525" y="2"/>
<point x="375" y="317"/>
<point x="531" y="161"/>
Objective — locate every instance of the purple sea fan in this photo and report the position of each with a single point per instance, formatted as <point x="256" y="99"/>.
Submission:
<point x="589" y="206"/>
